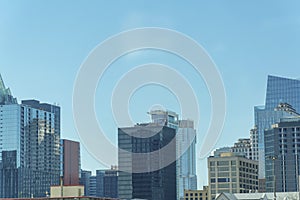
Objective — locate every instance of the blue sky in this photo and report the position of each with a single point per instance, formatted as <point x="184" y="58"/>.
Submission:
<point x="42" y="45"/>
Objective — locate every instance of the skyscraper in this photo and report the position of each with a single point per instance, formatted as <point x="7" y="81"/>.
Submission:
<point x="153" y="184"/>
<point x="282" y="155"/>
<point x="186" y="164"/>
<point x="70" y="162"/>
<point x="186" y="137"/>
<point x="279" y="91"/>
<point x="32" y="130"/>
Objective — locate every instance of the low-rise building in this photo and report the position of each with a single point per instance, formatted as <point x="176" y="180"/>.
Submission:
<point x="197" y="194"/>
<point x="66" y="191"/>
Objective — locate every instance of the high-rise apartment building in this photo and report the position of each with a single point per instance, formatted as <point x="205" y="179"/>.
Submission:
<point x="186" y="164"/>
<point x="243" y="146"/>
<point x="231" y="173"/>
<point x="31" y="130"/>
<point x="280" y="91"/>
<point x="156" y="182"/>
<point x="70" y="161"/>
<point x="282" y="155"/>
<point x="254" y="143"/>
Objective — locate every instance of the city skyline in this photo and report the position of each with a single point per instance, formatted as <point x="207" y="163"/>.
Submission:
<point x="42" y="62"/>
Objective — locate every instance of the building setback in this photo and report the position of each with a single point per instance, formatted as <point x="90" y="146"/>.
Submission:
<point x="231" y="173"/>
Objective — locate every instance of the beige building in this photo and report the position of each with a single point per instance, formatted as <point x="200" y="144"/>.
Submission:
<point x="66" y="191"/>
<point x="196" y="194"/>
<point x="231" y="173"/>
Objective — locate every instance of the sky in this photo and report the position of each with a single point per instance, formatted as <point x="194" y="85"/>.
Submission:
<point x="43" y="44"/>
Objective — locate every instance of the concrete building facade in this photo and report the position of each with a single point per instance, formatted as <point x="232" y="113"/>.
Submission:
<point x="231" y="173"/>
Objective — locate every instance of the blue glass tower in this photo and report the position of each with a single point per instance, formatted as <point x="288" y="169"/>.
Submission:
<point x="30" y="137"/>
<point x="282" y="100"/>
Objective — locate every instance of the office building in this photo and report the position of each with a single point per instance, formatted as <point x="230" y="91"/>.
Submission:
<point x="110" y="180"/>
<point x="282" y="151"/>
<point x="85" y="181"/>
<point x="32" y="130"/>
<point x="100" y="183"/>
<point x="279" y="91"/>
<point x="144" y="177"/>
<point x="185" y="148"/>
<point x="93" y="186"/>
<point x="70" y="160"/>
<point x="196" y="194"/>
<point x="231" y="173"/>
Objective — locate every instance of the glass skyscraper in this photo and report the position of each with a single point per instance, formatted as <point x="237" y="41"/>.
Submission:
<point x="282" y="100"/>
<point x="31" y="130"/>
<point x="186" y="167"/>
<point x="186" y="136"/>
<point x="152" y="185"/>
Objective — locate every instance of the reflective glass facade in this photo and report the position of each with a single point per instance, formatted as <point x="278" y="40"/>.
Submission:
<point x="152" y="185"/>
<point x="186" y="164"/>
<point x="279" y="90"/>
<point x="186" y="136"/>
<point x="32" y="129"/>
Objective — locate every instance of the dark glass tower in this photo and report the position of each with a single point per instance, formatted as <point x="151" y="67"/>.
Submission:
<point x="152" y="185"/>
<point x="282" y="100"/>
